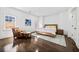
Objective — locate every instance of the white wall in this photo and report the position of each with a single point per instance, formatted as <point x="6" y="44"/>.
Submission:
<point x="20" y="18"/>
<point x="40" y="22"/>
<point x="60" y="19"/>
<point x="1" y="19"/>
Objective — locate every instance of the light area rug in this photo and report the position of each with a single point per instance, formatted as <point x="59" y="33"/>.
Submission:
<point x="59" y="39"/>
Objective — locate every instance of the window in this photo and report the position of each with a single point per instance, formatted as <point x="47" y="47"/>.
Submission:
<point x="9" y="22"/>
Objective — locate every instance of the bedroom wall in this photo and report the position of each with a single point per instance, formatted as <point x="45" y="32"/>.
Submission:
<point x="1" y="19"/>
<point x="20" y="18"/>
<point x="61" y="19"/>
<point x="40" y="22"/>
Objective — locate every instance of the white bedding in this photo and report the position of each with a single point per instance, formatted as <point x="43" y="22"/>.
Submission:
<point x="53" y="31"/>
<point x="59" y="39"/>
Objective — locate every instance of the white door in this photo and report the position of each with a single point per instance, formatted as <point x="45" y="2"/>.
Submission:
<point x="78" y="27"/>
<point x="74" y="24"/>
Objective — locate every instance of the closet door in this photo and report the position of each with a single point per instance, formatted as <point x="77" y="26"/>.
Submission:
<point x="74" y="24"/>
<point x="78" y="27"/>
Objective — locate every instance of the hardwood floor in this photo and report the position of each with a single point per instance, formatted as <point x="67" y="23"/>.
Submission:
<point x="30" y="45"/>
<point x="4" y="42"/>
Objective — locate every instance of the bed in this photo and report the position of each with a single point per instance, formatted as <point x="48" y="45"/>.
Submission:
<point x="51" y="33"/>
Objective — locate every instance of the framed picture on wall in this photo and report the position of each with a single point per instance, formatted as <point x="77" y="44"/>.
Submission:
<point x="28" y="22"/>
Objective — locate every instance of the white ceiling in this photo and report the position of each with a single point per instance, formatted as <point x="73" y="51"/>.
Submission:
<point x="43" y="11"/>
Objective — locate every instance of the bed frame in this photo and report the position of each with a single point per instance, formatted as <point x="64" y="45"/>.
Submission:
<point x="58" y="31"/>
<point x="52" y="25"/>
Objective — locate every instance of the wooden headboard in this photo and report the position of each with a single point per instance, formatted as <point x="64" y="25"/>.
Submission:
<point x="58" y="31"/>
<point x="51" y="26"/>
